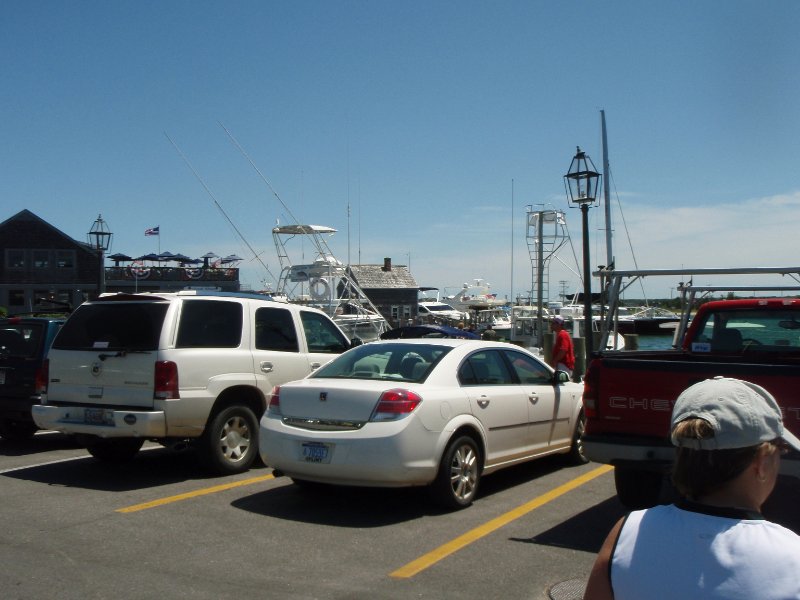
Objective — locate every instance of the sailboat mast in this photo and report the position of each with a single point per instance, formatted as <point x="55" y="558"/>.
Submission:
<point x="606" y="191"/>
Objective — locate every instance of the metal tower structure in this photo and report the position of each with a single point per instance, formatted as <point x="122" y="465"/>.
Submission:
<point x="546" y="233"/>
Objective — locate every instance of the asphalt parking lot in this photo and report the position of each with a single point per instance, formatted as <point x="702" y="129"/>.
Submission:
<point x="159" y="527"/>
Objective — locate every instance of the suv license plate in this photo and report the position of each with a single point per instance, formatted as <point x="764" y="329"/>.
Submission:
<point x="316" y="452"/>
<point x="98" y="416"/>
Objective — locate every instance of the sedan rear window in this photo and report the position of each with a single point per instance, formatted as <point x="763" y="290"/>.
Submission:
<point x="398" y="362"/>
<point x="119" y="326"/>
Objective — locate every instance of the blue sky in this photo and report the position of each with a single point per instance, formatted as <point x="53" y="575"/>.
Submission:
<point x="418" y="115"/>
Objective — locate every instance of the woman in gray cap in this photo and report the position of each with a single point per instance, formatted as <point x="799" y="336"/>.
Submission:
<point x="714" y="543"/>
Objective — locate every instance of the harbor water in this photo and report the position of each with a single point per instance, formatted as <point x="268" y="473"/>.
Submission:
<point x="655" y="342"/>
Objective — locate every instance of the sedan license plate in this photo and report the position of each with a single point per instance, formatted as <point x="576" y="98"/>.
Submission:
<point x="98" y="416"/>
<point x="317" y="452"/>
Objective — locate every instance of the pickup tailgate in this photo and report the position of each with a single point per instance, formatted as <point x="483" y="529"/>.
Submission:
<point x="634" y="394"/>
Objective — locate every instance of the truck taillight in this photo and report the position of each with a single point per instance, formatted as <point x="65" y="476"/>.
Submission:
<point x="41" y="377"/>
<point x="394" y="404"/>
<point x="166" y="381"/>
<point x="590" y="392"/>
<point x="274" y="406"/>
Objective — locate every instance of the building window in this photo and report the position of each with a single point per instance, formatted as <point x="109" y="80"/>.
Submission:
<point x="16" y="297"/>
<point x="41" y="259"/>
<point x="40" y="299"/>
<point x="65" y="259"/>
<point x="15" y="259"/>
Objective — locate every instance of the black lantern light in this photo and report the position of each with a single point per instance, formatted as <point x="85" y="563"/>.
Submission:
<point x="582" y="181"/>
<point x="99" y="238"/>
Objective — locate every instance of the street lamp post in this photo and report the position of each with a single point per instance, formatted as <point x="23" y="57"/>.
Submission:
<point x="99" y="238"/>
<point x="581" y="182"/>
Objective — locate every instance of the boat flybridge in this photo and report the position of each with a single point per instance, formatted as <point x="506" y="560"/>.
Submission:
<point x="325" y="283"/>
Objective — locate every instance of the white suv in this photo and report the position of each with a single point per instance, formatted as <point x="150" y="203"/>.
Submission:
<point x="171" y="367"/>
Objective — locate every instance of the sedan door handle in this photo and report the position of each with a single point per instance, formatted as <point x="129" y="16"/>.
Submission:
<point x="533" y="398"/>
<point x="266" y="366"/>
<point x="315" y="366"/>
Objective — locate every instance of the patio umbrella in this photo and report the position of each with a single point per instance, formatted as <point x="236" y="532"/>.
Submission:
<point x="207" y="256"/>
<point x="118" y="258"/>
<point x="230" y="258"/>
<point x="150" y="256"/>
<point x="166" y="256"/>
<point x="181" y="258"/>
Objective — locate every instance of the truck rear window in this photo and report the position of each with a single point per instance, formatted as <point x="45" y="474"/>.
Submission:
<point x="118" y="326"/>
<point x="751" y="331"/>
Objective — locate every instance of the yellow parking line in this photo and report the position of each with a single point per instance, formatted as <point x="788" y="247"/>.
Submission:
<point x="434" y="556"/>
<point x="195" y="494"/>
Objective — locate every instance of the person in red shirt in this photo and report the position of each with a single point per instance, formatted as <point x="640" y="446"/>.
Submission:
<point x="563" y="357"/>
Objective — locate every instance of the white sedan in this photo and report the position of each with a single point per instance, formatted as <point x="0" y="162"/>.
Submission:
<point x="435" y="412"/>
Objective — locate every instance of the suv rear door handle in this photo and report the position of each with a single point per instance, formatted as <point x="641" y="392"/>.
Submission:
<point x="315" y="366"/>
<point x="266" y="366"/>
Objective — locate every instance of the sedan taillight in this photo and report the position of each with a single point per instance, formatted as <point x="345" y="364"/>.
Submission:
<point x="274" y="406"/>
<point x="166" y="381"/>
<point x="393" y="404"/>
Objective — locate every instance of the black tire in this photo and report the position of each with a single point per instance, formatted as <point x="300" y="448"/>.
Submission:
<point x="17" y="431"/>
<point x="456" y="483"/>
<point x="230" y="442"/>
<point x="114" y="450"/>
<point x="576" y="454"/>
<point x="637" y="488"/>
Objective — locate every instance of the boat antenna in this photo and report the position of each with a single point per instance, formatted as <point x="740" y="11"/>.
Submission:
<point x="218" y="205"/>
<point x="260" y="174"/>
<point x="606" y="190"/>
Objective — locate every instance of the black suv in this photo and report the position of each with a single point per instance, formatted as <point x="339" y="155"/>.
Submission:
<point x="24" y="342"/>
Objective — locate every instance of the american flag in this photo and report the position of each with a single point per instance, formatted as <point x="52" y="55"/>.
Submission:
<point x="151" y="231"/>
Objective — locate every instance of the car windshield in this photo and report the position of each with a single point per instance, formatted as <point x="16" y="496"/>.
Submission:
<point x="394" y="362"/>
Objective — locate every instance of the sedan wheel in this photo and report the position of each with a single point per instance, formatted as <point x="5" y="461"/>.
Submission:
<point x="577" y="454"/>
<point x="459" y="474"/>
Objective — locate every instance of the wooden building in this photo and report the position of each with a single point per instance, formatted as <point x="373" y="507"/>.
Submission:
<point x="392" y="289"/>
<point x="40" y="263"/>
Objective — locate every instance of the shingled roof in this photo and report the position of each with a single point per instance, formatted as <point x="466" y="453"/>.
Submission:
<point x="370" y="277"/>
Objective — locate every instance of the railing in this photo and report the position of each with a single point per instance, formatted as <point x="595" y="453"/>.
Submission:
<point x="142" y="273"/>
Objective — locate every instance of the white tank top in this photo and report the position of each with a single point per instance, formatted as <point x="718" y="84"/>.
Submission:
<point x="695" y="551"/>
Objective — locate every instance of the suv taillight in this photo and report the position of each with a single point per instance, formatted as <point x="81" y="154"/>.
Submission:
<point x="274" y="406"/>
<point x="166" y="381"/>
<point x="41" y="377"/>
<point x="393" y="404"/>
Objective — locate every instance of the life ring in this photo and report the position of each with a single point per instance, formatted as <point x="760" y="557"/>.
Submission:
<point x="320" y="290"/>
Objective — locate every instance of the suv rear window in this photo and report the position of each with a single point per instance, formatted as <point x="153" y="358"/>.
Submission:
<point x="119" y="326"/>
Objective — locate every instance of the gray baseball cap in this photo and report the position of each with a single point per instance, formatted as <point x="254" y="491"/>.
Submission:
<point x="742" y="414"/>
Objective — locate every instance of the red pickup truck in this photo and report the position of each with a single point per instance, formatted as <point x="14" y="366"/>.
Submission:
<point x="628" y="395"/>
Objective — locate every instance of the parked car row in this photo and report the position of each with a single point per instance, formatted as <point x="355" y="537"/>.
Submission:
<point x="203" y="367"/>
